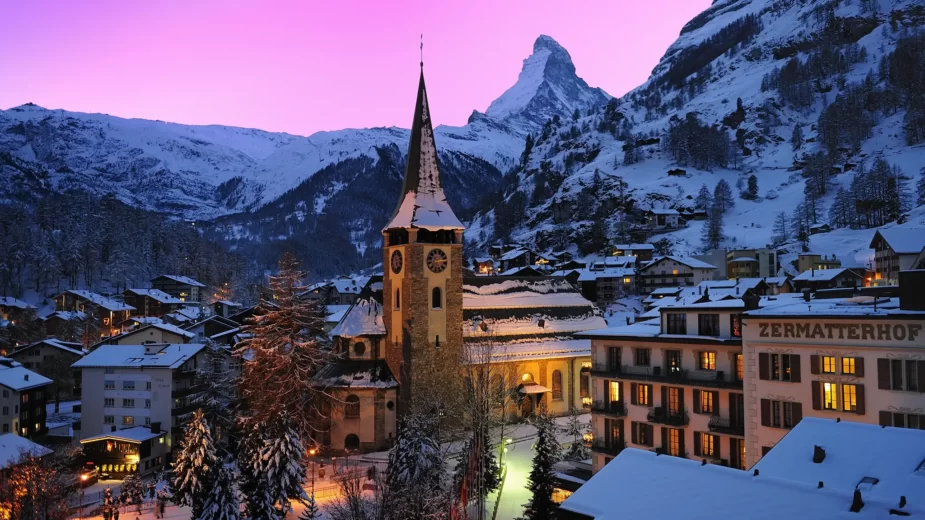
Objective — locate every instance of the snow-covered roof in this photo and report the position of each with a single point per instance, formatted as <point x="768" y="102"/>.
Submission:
<point x="623" y="488"/>
<point x="185" y="314"/>
<point x="229" y="303"/>
<point x="135" y="356"/>
<point x="17" y="377"/>
<point x="588" y="275"/>
<point x="336" y="312"/>
<point x="347" y="285"/>
<point x="634" y="247"/>
<point x="363" y="319"/>
<point x="9" y="301"/>
<point x="664" y="211"/>
<point x="66" y="346"/>
<point x="903" y="241"/>
<point x="221" y="335"/>
<point x="483" y="259"/>
<point x="423" y="203"/>
<point x="512" y="254"/>
<point x="357" y="374"/>
<point x="640" y="329"/>
<point x="743" y="259"/>
<point x="185" y="280"/>
<point x="504" y="292"/>
<point x="667" y="291"/>
<point x="136" y="434"/>
<point x="821" y="275"/>
<point x="793" y="305"/>
<point x="691" y="262"/>
<point x="107" y="303"/>
<point x="893" y="457"/>
<point x="13" y="447"/>
<point x="528" y="350"/>
<point x="161" y="326"/>
<point x="65" y="315"/>
<point x="157" y="295"/>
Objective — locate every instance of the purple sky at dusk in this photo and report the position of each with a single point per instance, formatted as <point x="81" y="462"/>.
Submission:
<point x="304" y="66"/>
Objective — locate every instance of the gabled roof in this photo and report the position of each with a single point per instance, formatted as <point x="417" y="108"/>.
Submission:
<point x="635" y="247"/>
<point x="185" y="280"/>
<point x="588" y="275"/>
<point x="134" y="356"/>
<point x="225" y="322"/>
<point x="65" y="315"/>
<point x="9" y="301"/>
<point x="667" y="211"/>
<point x="16" y="377"/>
<point x="903" y="241"/>
<point x="423" y="203"/>
<point x="693" y="263"/>
<point x="823" y="275"/>
<point x="106" y="303"/>
<point x="156" y="295"/>
<point x="66" y="346"/>
<point x="135" y="434"/>
<point x="13" y="447"/>
<point x="512" y="254"/>
<point x="364" y="318"/>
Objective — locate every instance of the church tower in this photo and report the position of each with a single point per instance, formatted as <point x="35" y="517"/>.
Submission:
<point x="422" y="275"/>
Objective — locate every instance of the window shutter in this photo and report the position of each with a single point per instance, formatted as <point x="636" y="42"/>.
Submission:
<point x="697" y="442"/>
<point x="764" y="366"/>
<point x="921" y="373"/>
<point x="733" y="453"/>
<point x="681" y="450"/>
<point x="718" y="446"/>
<point x="733" y="412"/>
<point x="664" y="403"/>
<point x="814" y="364"/>
<point x="633" y="392"/>
<point x="681" y="399"/>
<point x="860" y="397"/>
<point x="817" y="395"/>
<point x="795" y="368"/>
<point x="696" y="401"/>
<point x="651" y="394"/>
<point x="859" y="366"/>
<point x="765" y="412"/>
<point x="886" y="419"/>
<point x="664" y="447"/>
<point x="716" y="403"/>
<point x="634" y="426"/>
<point x="796" y="410"/>
<point x="651" y="431"/>
<point x="883" y="374"/>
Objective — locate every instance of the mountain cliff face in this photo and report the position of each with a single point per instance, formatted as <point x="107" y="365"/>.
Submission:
<point x="724" y="103"/>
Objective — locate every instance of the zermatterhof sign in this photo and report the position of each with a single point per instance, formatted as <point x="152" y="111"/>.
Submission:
<point x="880" y="332"/>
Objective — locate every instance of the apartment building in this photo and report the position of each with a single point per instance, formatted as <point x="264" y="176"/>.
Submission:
<point x="672" y="271"/>
<point x="672" y="385"/>
<point x="124" y="386"/>
<point x="896" y="250"/>
<point x="23" y="394"/>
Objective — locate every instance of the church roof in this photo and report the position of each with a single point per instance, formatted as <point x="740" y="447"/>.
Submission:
<point x="423" y="203"/>
<point x="356" y="373"/>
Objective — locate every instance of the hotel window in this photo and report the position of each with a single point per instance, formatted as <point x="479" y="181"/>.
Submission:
<point x="848" y="366"/>
<point x="735" y="325"/>
<point x="829" y="396"/>
<point x="109" y="419"/>
<point x="708" y="324"/>
<point x="556" y="385"/>
<point x="828" y="364"/>
<point x="849" y="397"/>
<point x="775" y="414"/>
<point x="614" y="390"/>
<point x="642" y="394"/>
<point x="642" y="433"/>
<point x="674" y="400"/>
<point x="902" y="420"/>
<point x="128" y="420"/>
<point x="674" y="272"/>
<point x="779" y="367"/>
<point x="147" y="421"/>
<point x="109" y="385"/>
<point x="674" y="442"/>
<point x="899" y="374"/>
<point x="677" y="324"/>
<point x="740" y="367"/>
<point x="643" y="356"/>
<point x="707" y="361"/>
<point x="708" y="444"/>
<point x="128" y="403"/>
<point x="787" y="407"/>
<point x="706" y="402"/>
<point x="109" y="402"/>
<point x="147" y="403"/>
<point x="128" y="385"/>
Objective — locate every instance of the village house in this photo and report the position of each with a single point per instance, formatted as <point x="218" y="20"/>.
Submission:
<point x="606" y="285"/>
<point x="109" y="313"/>
<point x="662" y="219"/>
<point x="642" y="252"/>
<point x="23" y="394"/>
<point x="181" y="287"/>
<point x="483" y="265"/>
<point x="226" y="309"/>
<point x="814" y="280"/>
<point x="12" y="309"/>
<point x="138" y="450"/>
<point x="210" y="328"/>
<point x="150" y="333"/>
<point x="810" y="261"/>
<point x="672" y="271"/>
<point x="151" y="302"/>
<point x="42" y="354"/>
<point x="895" y="250"/>
<point x="751" y="263"/>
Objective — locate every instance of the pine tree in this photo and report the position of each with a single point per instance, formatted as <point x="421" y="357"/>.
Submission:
<point x="132" y="491"/>
<point x="194" y="464"/>
<point x="796" y="138"/>
<point x="542" y="474"/>
<point x="712" y="229"/>
<point x="920" y="189"/>
<point x="416" y="472"/>
<point x="577" y="450"/>
<point x="751" y="192"/>
<point x="282" y="465"/>
<point x="722" y="196"/>
<point x="222" y="500"/>
<point x="485" y="475"/>
<point x="704" y="198"/>
<point x="252" y="480"/>
<point x="311" y="511"/>
<point x="287" y="346"/>
<point x="216" y="392"/>
<point x="781" y="232"/>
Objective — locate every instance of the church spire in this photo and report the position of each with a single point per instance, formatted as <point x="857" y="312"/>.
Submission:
<point x="423" y="203"/>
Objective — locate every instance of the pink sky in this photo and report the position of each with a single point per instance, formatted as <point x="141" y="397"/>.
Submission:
<point x="304" y="66"/>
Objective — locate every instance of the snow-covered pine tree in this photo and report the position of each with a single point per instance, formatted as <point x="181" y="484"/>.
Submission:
<point x="704" y="198"/>
<point x="781" y="231"/>
<point x="751" y="191"/>
<point x="712" y="229"/>
<point x="282" y="464"/>
<point x="542" y="475"/>
<point x="576" y="429"/>
<point x="193" y="465"/>
<point x="287" y="346"/>
<point x="796" y="138"/>
<point x="108" y="505"/>
<point x="215" y="388"/>
<point x="417" y="473"/>
<point x="222" y="500"/>
<point x="252" y="480"/>
<point x="311" y="511"/>
<point x="722" y="196"/>
<point x="133" y="491"/>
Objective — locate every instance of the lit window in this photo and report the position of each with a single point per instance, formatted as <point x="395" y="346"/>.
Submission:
<point x="642" y="395"/>
<point x="740" y="367"/>
<point x="706" y="402"/>
<point x="674" y="271"/>
<point x="708" y="361"/>
<point x="828" y="364"/>
<point x="614" y="390"/>
<point x="830" y="397"/>
<point x="128" y="420"/>
<point x="848" y="366"/>
<point x="850" y="397"/>
<point x="707" y="446"/>
<point x="627" y="280"/>
<point x="674" y="442"/>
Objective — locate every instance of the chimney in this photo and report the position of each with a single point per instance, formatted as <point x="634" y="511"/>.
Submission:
<point x="156" y="427"/>
<point x="755" y="473"/>
<point x="902" y="501"/>
<point x="806" y="295"/>
<point x="856" y="502"/>
<point x="820" y="485"/>
<point x="818" y="454"/>
<point x="25" y="377"/>
<point x="911" y="296"/>
<point x="813" y="271"/>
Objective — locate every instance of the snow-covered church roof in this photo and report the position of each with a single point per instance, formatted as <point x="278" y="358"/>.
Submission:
<point x="423" y="203"/>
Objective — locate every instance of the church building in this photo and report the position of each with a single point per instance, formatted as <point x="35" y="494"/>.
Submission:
<point x="409" y="340"/>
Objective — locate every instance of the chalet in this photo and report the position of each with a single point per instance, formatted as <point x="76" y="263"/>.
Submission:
<point x="810" y="261"/>
<point x="527" y="270"/>
<point x="24" y="394"/>
<point x="49" y="356"/>
<point x="210" y="327"/>
<point x="138" y="450"/>
<point x="483" y="265"/>
<point x="672" y="271"/>
<point x="606" y="285"/>
<point x="659" y="219"/>
<point x="895" y="250"/>
<point x="150" y="334"/>
<point x="642" y="252"/>
<point x="109" y="312"/>
<point x="12" y="309"/>
<point x="225" y="308"/>
<point x="816" y="229"/>
<point x="185" y="316"/>
<point x="516" y="258"/>
<point x="182" y="287"/>
<point x="827" y="279"/>
<point x="151" y="302"/>
<point x="546" y="260"/>
<point x="317" y="292"/>
<point x="63" y="323"/>
<point x="570" y="264"/>
<point x="344" y="290"/>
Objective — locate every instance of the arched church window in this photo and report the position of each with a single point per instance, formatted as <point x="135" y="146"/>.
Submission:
<point x="352" y="407"/>
<point x="436" y="298"/>
<point x="397" y="299"/>
<point x="352" y="442"/>
<point x="556" y="384"/>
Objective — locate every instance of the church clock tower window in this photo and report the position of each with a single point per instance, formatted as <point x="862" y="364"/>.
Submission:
<point x="436" y="298"/>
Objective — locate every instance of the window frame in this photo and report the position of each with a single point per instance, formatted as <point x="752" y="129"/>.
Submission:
<point x="707" y="405"/>
<point x="708" y="324"/>
<point x="830" y="396"/>
<point x="846" y="361"/>
<point x="849" y="404"/>
<point x="706" y="360"/>
<point x="829" y="364"/>
<point x="557" y="385"/>
<point x="676" y="323"/>
<point x="642" y="352"/>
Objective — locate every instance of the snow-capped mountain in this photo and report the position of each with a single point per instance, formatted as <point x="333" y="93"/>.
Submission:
<point x="723" y="103"/>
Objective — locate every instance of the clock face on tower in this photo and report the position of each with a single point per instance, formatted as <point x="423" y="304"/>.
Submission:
<point x="396" y="262"/>
<point x="436" y="260"/>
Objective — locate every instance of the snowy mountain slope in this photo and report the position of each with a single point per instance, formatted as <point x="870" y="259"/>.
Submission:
<point x="723" y="55"/>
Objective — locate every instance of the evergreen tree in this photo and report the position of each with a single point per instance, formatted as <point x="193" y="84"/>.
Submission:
<point x="704" y="198"/>
<point x="478" y="468"/>
<point x="542" y="474"/>
<point x="781" y="233"/>
<point x="216" y="392"/>
<point x="194" y="464"/>
<point x="282" y="465"/>
<point x="528" y="148"/>
<point x="802" y="219"/>
<point x="287" y="345"/>
<point x="133" y="492"/>
<point x="222" y="500"/>
<point x="311" y="511"/>
<point x="751" y="192"/>
<point x="577" y="450"/>
<point x="713" y="229"/>
<point x="416" y="472"/>
<point x="722" y="196"/>
<point x="252" y="480"/>
<point x="796" y="138"/>
<point x="842" y="212"/>
<point x="920" y="189"/>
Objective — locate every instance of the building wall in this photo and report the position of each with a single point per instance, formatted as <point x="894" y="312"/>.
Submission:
<point x="150" y="335"/>
<point x="770" y="336"/>
<point x="376" y="424"/>
<point x="9" y="410"/>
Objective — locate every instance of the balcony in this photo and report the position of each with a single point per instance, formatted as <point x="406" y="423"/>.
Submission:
<point x="661" y="415"/>
<point x="606" y="370"/>
<point x="611" y="408"/>
<point x="613" y="447"/>
<point x="710" y="379"/>
<point x="723" y="425"/>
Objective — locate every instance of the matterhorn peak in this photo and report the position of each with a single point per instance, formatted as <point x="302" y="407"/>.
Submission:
<point x="547" y="86"/>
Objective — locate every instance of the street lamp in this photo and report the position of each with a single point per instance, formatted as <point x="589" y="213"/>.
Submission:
<point x="311" y="452"/>
<point x="83" y="481"/>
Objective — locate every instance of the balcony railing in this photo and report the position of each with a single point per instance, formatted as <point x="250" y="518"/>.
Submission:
<point x="712" y="379"/>
<point x="661" y="415"/>
<point x="724" y="425"/>
<point x="612" y="447"/>
<point x="612" y="408"/>
<point x="605" y="370"/>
